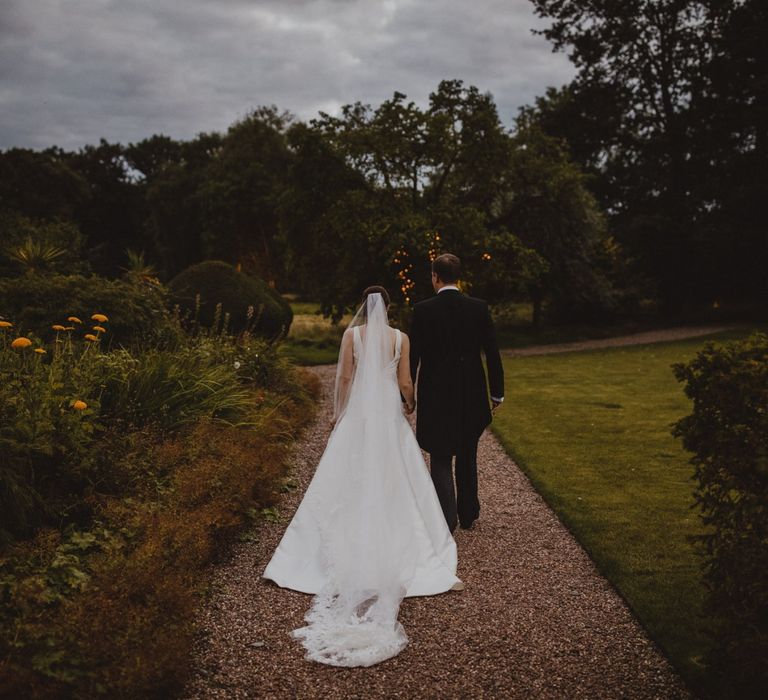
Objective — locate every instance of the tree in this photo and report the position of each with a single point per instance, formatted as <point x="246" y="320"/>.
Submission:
<point x="242" y="191"/>
<point x="677" y="88"/>
<point x="173" y="175"/>
<point x="547" y="204"/>
<point x="111" y="219"/>
<point x="412" y="182"/>
<point x="41" y="184"/>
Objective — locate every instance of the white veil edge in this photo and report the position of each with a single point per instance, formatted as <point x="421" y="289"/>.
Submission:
<point x="371" y="320"/>
<point x="353" y="620"/>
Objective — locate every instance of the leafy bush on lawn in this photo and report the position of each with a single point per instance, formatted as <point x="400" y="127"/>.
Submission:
<point x="208" y="288"/>
<point x="727" y="432"/>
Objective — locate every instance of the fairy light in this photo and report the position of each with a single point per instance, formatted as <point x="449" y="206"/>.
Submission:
<point x="434" y="244"/>
<point x="400" y="258"/>
<point x="486" y="256"/>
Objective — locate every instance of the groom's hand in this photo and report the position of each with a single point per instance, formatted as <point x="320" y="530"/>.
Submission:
<point x="494" y="405"/>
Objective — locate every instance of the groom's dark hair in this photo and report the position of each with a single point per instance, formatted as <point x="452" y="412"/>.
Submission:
<point x="447" y="267"/>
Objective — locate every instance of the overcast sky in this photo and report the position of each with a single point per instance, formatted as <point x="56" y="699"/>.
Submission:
<point x="73" y="71"/>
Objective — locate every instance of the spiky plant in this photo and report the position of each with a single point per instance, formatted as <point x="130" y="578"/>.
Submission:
<point x="34" y="255"/>
<point x="138" y="269"/>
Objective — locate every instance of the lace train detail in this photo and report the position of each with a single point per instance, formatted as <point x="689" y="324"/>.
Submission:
<point x="339" y="635"/>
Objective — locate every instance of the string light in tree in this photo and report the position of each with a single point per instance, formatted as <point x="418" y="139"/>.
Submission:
<point x="434" y="245"/>
<point x="403" y="275"/>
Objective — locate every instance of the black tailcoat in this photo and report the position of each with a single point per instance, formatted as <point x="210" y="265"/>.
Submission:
<point x="448" y="333"/>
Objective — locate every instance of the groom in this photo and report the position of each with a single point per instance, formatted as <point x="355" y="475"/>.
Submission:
<point x="448" y="333"/>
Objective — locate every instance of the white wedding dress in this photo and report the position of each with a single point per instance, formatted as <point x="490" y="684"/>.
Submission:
<point x="370" y="529"/>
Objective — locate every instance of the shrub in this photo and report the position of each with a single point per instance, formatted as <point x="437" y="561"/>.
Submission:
<point x="202" y="288"/>
<point x="47" y="444"/>
<point x="110" y="611"/>
<point x="49" y="407"/>
<point x="35" y="245"/>
<point x="727" y="432"/>
<point x="137" y="313"/>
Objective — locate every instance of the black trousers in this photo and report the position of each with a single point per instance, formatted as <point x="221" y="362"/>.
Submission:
<point x="459" y="503"/>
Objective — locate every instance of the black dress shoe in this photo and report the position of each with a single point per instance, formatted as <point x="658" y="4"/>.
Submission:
<point x="467" y="526"/>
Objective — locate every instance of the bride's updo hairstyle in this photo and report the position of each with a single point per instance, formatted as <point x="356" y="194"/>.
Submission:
<point x="366" y="293"/>
<point x="373" y="290"/>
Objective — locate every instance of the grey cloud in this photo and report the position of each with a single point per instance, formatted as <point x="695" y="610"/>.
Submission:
<point x="73" y="72"/>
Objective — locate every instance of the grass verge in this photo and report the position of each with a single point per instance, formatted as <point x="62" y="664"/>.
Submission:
<point x="592" y="432"/>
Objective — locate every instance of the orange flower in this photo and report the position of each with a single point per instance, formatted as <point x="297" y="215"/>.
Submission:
<point x="91" y="337"/>
<point x="5" y="324"/>
<point x="79" y="405"/>
<point x="101" y="318"/>
<point x="21" y="342"/>
<point x="73" y="319"/>
<point x="40" y="351"/>
<point x="58" y="327"/>
<point x="100" y="329"/>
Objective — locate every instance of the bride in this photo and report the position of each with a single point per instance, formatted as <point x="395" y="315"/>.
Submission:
<point x="370" y="529"/>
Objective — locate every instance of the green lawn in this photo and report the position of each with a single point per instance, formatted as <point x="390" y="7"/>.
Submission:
<point x="313" y="339"/>
<point x="592" y="432"/>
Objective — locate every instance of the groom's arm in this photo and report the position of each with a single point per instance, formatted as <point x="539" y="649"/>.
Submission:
<point x="415" y="337"/>
<point x="493" y="359"/>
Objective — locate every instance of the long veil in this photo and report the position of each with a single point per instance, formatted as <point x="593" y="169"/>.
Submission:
<point x="353" y="621"/>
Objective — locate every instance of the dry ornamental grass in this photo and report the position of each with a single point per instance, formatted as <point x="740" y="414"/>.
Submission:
<point x="536" y="619"/>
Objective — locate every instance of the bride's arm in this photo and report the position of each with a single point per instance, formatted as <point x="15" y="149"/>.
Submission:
<point x="404" y="374"/>
<point x="345" y="372"/>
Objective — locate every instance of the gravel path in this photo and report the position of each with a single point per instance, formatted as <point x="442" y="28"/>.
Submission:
<point x="536" y="619"/>
<point x="658" y="336"/>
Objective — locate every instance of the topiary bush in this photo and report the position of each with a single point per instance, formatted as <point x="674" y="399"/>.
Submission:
<point x="727" y="432"/>
<point x="217" y="283"/>
<point x="136" y="312"/>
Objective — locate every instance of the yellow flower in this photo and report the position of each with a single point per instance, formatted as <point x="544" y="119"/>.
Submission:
<point x="101" y="318"/>
<point x="40" y="351"/>
<point x="58" y="327"/>
<point x="79" y="405"/>
<point x="100" y="329"/>
<point x="90" y="336"/>
<point x="5" y="324"/>
<point x="73" y="319"/>
<point x="21" y="342"/>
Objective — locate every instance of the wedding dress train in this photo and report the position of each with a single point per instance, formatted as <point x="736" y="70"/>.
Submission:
<point x="369" y="530"/>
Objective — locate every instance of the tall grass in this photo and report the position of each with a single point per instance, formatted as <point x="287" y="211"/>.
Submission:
<point x="172" y="389"/>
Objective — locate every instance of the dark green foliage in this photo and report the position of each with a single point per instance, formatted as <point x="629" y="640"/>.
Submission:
<point x="46" y="445"/>
<point x="29" y="246"/>
<point x="669" y="113"/>
<point x="248" y="301"/>
<point x="727" y="432"/>
<point x="106" y="606"/>
<point x="174" y="176"/>
<point x="41" y="184"/>
<point x="241" y="192"/>
<point x="411" y="183"/>
<point x="136" y="312"/>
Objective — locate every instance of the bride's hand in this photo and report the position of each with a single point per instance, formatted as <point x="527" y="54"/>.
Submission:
<point x="409" y="408"/>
